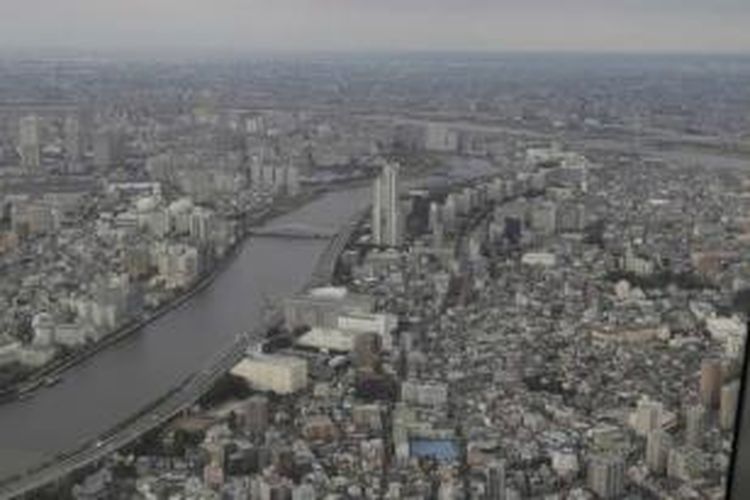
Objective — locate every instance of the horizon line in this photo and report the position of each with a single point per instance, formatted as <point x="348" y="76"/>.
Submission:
<point x="202" y="51"/>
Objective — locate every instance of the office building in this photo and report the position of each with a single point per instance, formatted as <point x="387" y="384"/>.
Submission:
<point x="658" y="444"/>
<point x="292" y="182"/>
<point x="322" y="307"/>
<point x="178" y="264"/>
<point x="73" y="141"/>
<point x="450" y="213"/>
<point x="424" y="393"/>
<point x="256" y="172"/>
<point x="29" y="146"/>
<point x="440" y="138"/>
<point x="495" y="487"/>
<point x="728" y="405"/>
<point x="695" y="424"/>
<point x="436" y="225"/>
<point x="571" y="217"/>
<point x="256" y="414"/>
<point x="647" y="416"/>
<point x="606" y="476"/>
<point x="201" y="224"/>
<point x="34" y="217"/>
<point x="367" y="349"/>
<point x="435" y="216"/>
<point x="543" y="218"/>
<point x="109" y="148"/>
<point x="331" y="340"/>
<point x="710" y="382"/>
<point x="386" y="216"/>
<point x="367" y="417"/>
<point x="279" y="374"/>
<point x="380" y="323"/>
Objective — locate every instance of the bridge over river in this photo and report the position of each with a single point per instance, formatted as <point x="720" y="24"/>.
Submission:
<point x="296" y="231"/>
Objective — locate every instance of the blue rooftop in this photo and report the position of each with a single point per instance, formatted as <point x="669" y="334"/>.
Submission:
<point x="443" y="450"/>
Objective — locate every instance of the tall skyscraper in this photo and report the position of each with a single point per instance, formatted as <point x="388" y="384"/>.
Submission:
<point x="710" y="384"/>
<point x="450" y="212"/>
<point x="73" y="140"/>
<point x="393" y="213"/>
<point x="658" y="444"/>
<point x="728" y="405"/>
<point x="606" y="476"/>
<point x="435" y="215"/>
<point x="377" y="211"/>
<point x="29" y="143"/>
<point x="436" y="224"/>
<point x="695" y="424"/>
<point x="495" y="480"/>
<point x="386" y="220"/>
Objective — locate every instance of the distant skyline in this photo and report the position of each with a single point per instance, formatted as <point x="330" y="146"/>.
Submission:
<point x="693" y="26"/>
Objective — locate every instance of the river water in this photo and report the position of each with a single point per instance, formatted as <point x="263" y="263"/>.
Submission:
<point x="107" y="388"/>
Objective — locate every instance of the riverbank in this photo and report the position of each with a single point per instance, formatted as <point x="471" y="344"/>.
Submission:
<point x="51" y="372"/>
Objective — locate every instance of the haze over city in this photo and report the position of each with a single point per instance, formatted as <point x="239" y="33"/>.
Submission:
<point x="361" y="25"/>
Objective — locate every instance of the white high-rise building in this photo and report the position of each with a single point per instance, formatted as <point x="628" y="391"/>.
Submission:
<point x="377" y="211"/>
<point x="386" y="223"/>
<point x="29" y="147"/>
<point x="73" y="140"/>
<point x="647" y="416"/>
<point x="292" y="180"/>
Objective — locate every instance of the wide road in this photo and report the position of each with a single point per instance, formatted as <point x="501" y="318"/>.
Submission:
<point x="106" y="389"/>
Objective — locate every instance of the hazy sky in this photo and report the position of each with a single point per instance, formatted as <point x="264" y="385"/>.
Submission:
<point x="262" y="25"/>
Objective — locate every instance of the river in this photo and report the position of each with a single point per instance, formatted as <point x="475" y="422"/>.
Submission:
<point x="105" y="389"/>
<point x="110" y="386"/>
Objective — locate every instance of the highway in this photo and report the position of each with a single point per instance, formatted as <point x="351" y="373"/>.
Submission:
<point x="177" y="400"/>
